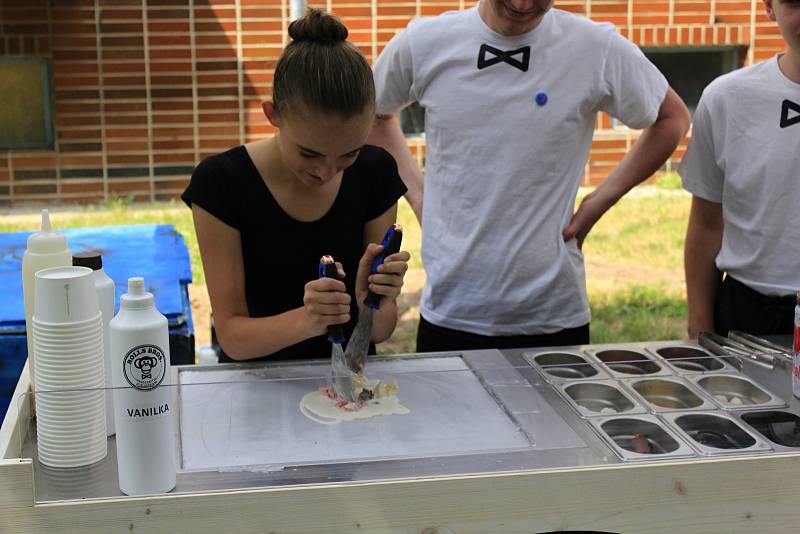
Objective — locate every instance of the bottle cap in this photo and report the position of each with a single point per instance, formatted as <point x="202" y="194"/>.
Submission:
<point x="46" y="240"/>
<point x="136" y="298"/>
<point x="92" y="259"/>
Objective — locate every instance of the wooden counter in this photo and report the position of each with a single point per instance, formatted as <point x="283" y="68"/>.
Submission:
<point x="737" y="494"/>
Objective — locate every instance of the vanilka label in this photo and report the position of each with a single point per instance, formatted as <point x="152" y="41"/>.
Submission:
<point x="144" y="367"/>
<point x="152" y="411"/>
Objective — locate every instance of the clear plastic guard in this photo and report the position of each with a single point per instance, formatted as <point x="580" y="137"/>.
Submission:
<point x="242" y="425"/>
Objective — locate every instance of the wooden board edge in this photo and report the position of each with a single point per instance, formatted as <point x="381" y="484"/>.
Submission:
<point x="15" y="423"/>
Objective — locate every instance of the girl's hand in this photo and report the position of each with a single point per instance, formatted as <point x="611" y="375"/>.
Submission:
<point x="325" y="302"/>
<point x="388" y="280"/>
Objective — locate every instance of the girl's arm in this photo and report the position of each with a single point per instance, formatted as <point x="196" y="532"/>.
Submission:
<point x="241" y="336"/>
<point x="387" y="282"/>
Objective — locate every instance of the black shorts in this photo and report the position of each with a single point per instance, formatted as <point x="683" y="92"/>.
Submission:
<point x="432" y="338"/>
<point x="738" y="307"/>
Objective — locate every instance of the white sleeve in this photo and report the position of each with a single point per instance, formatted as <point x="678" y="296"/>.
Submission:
<point x="394" y="75"/>
<point x="633" y="87"/>
<point x="700" y="173"/>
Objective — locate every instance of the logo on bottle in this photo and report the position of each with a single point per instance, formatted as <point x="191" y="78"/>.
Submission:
<point x="144" y="367"/>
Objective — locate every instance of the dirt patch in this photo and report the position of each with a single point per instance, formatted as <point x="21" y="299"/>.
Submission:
<point x="607" y="275"/>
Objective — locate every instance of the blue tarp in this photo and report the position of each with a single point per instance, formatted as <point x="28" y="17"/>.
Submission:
<point x="156" y="252"/>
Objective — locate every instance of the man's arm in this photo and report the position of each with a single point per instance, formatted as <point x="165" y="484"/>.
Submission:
<point x="645" y="157"/>
<point x="703" y="241"/>
<point x="386" y="133"/>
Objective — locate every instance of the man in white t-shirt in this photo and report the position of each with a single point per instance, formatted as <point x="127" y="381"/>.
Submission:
<point x="511" y="90"/>
<point x="743" y="170"/>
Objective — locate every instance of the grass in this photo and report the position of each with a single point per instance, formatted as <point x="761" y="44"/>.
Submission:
<point x="634" y="260"/>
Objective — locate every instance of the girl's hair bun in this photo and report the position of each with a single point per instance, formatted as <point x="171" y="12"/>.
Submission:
<point x="318" y="26"/>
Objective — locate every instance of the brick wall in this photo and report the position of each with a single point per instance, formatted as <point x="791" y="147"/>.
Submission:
<point x="143" y="89"/>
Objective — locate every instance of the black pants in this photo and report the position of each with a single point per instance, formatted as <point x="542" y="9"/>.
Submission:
<point x="738" y="307"/>
<point x="432" y="338"/>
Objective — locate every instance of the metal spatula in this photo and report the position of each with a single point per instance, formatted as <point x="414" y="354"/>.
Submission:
<point x="358" y="346"/>
<point x="342" y="383"/>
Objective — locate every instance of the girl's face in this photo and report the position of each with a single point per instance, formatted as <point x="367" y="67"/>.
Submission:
<point x="787" y="14"/>
<point x="316" y="147"/>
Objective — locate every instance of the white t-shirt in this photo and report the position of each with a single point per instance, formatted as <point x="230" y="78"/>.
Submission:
<point x="502" y="170"/>
<point x="745" y="155"/>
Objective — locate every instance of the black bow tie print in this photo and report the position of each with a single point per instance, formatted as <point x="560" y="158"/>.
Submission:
<point x="501" y="56"/>
<point x="790" y="114"/>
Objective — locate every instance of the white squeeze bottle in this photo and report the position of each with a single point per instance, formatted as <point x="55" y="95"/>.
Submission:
<point x="143" y="402"/>
<point x="104" y="286"/>
<point x="46" y="248"/>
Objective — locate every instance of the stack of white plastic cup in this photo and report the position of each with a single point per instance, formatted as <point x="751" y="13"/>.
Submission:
<point x="69" y="379"/>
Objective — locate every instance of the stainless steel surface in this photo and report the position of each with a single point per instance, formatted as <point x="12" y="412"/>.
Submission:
<point x="563" y="438"/>
<point x="669" y="394"/>
<point x="628" y="362"/>
<point x="757" y="343"/>
<point x="684" y="358"/>
<point x="713" y="433"/>
<point x="736" y="392"/>
<point x="780" y="428"/>
<point x="560" y="366"/>
<point x="781" y="356"/>
<point x="723" y="345"/>
<point x="641" y="438"/>
<point x="593" y="398"/>
<point x="560" y="440"/>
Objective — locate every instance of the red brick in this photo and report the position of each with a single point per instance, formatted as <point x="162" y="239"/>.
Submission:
<point x="170" y="80"/>
<point x="172" y="106"/>
<point x="124" y="107"/>
<point x="219" y="117"/>
<point x="170" y="66"/>
<point x="172" y="132"/>
<point x="79" y="161"/>
<point x="169" y="40"/>
<point x="116" y="120"/>
<point x="129" y="159"/>
<point x="127" y="54"/>
<point x="174" y="157"/>
<point x="118" y="186"/>
<point x="172" y="119"/>
<point x="64" y="135"/>
<point x="111" y="81"/>
<point x="126" y="146"/>
<point x="116" y="15"/>
<point x="82" y="187"/>
<point x="123" y="68"/>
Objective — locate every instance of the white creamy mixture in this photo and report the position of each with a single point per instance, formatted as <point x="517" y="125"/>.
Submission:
<point x="322" y="408"/>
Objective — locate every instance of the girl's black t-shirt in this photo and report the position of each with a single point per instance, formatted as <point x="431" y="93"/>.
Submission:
<point x="280" y="253"/>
